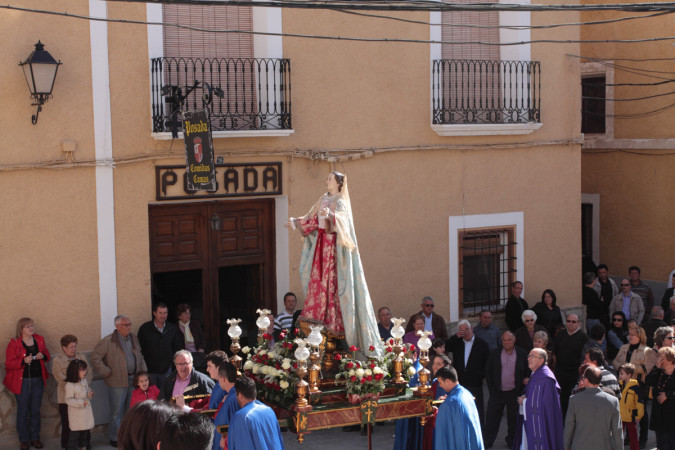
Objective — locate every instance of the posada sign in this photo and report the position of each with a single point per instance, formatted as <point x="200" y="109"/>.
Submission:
<point x="201" y="169"/>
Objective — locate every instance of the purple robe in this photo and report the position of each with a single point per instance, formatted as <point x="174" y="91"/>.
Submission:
<point x="543" y="421"/>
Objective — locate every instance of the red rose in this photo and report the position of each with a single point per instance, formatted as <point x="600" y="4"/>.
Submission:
<point x="282" y="334"/>
<point x="371" y="348"/>
<point x="358" y="365"/>
<point x="353" y="348"/>
<point x="295" y="365"/>
<point x="372" y="365"/>
<point x="296" y="331"/>
<point x="278" y="366"/>
<point x="350" y="365"/>
<point x="389" y="349"/>
<point x="337" y="357"/>
<point x="412" y="348"/>
<point x="352" y="378"/>
<point x="378" y="376"/>
<point x="391" y="342"/>
<point x="369" y="378"/>
<point x="363" y="381"/>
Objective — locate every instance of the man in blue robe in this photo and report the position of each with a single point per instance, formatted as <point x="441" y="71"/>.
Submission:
<point x="457" y="421"/>
<point x="540" y="426"/>
<point x="254" y="426"/>
<point x="214" y="360"/>
<point x="227" y="375"/>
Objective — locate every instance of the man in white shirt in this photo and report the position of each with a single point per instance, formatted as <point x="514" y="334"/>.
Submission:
<point x="284" y="321"/>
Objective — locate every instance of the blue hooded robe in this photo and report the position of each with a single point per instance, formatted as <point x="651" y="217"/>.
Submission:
<point x="457" y="422"/>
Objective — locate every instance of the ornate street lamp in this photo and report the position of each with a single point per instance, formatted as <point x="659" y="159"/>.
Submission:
<point x="40" y="72"/>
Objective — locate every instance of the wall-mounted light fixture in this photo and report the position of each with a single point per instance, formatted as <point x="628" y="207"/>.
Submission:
<point x="216" y="222"/>
<point x="40" y="71"/>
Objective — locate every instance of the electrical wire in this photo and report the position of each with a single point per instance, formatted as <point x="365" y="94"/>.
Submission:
<point x="507" y="27"/>
<point x="622" y="150"/>
<point x="349" y="39"/>
<point x="621" y="59"/>
<point x="659" y="83"/>
<point x="628" y="99"/>
<point x="329" y="155"/>
<point x="631" y="116"/>
<point x="422" y="5"/>
<point x="617" y="66"/>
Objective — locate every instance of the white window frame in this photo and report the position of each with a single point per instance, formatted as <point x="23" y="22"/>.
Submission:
<point x="520" y="52"/>
<point x="456" y="223"/>
<point x="266" y="20"/>
<point x="595" y="69"/>
<point x="594" y="199"/>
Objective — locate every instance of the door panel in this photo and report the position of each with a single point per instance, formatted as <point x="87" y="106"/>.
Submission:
<point x="181" y="239"/>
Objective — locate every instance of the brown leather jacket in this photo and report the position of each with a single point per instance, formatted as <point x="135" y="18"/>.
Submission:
<point x="109" y="360"/>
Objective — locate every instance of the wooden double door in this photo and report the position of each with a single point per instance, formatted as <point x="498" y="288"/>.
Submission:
<point x="219" y="258"/>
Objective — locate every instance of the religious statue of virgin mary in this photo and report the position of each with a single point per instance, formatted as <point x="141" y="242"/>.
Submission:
<point x="336" y="294"/>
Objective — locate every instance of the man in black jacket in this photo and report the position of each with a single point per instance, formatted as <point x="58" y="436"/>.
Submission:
<point x="159" y="341"/>
<point x="515" y="307"/>
<point x="185" y="380"/>
<point x="470" y="355"/>
<point x="505" y="371"/>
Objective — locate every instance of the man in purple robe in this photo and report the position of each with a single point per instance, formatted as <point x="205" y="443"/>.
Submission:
<point x="541" y="423"/>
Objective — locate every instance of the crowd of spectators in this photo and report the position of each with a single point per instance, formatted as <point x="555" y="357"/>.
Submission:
<point x="544" y="369"/>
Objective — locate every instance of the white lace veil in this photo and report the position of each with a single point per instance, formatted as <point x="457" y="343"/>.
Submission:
<point x="344" y="222"/>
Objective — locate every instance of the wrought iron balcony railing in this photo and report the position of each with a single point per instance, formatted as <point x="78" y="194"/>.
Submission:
<point x="486" y="92"/>
<point x="256" y="91"/>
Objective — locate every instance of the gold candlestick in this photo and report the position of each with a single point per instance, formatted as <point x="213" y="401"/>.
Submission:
<point x="315" y="339"/>
<point x="313" y="374"/>
<point x="424" y="344"/>
<point x="301" y="387"/>
<point x="398" y="365"/>
<point x="236" y="359"/>
<point x="234" y="332"/>
<point x="424" y="389"/>
<point x="397" y="333"/>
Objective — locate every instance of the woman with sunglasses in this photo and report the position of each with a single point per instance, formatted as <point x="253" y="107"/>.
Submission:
<point x="663" y="337"/>
<point x="617" y="335"/>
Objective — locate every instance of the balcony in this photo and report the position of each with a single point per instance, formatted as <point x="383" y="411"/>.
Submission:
<point x="256" y="98"/>
<point x="478" y="97"/>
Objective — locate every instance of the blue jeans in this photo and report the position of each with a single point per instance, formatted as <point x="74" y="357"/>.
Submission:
<point x="119" y="398"/>
<point x="28" y="409"/>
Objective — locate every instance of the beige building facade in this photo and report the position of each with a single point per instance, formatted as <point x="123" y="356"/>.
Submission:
<point x="86" y="234"/>
<point x="628" y="190"/>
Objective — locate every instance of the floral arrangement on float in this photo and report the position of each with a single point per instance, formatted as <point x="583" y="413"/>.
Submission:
<point x="363" y="379"/>
<point x="279" y="368"/>
<point x="273" y="367"/>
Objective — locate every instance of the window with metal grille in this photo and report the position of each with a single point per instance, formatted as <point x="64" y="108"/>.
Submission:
<point x="593" y="99"/>
<point x="487" y="266"/>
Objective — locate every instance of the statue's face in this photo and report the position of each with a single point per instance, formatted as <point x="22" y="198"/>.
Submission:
<point x="332" y="184"/>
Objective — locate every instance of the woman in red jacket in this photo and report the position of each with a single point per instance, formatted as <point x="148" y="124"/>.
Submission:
<point x="26" y="376"/>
